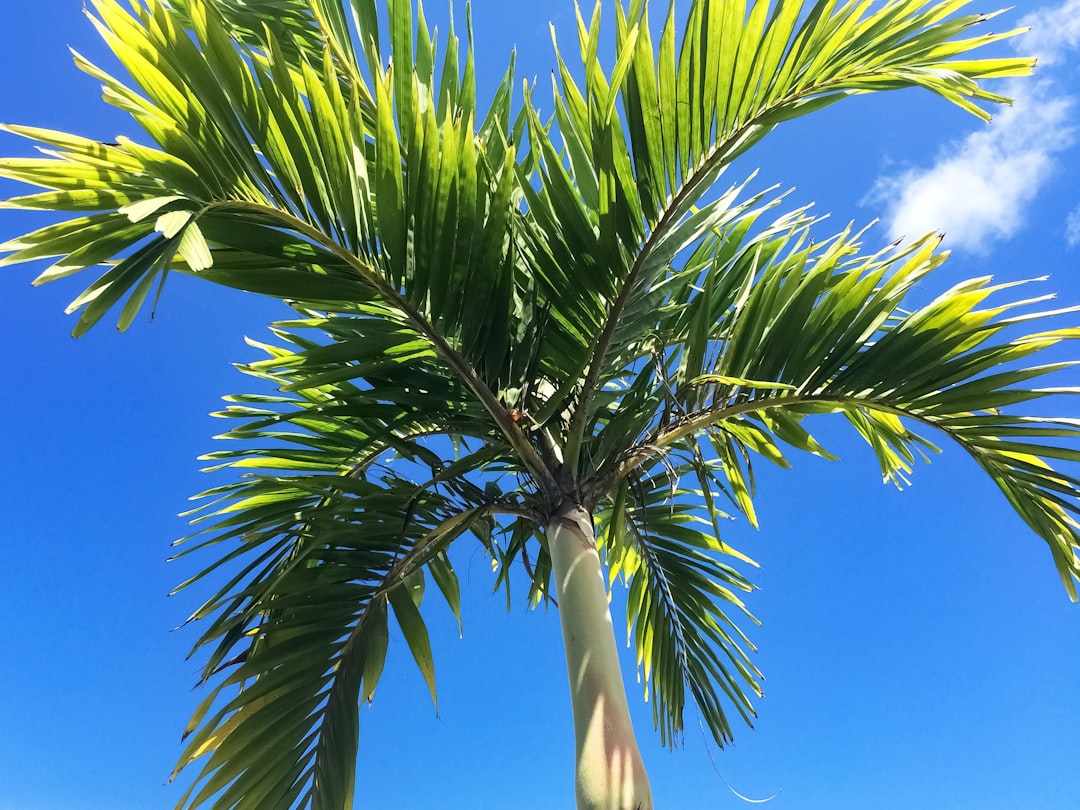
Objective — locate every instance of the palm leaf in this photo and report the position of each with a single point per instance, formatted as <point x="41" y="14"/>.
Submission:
<point x="688" y="111"/>
<point x="257" y="133"/>
<point x="830" y="327"/>
<point x="658" y="537"/>
<point x="315" y="541"/>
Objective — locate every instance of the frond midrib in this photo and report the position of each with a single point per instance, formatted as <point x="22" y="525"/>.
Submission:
<point x="705" y="418"/>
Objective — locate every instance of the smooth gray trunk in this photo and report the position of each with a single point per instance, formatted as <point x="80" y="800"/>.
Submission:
<point x="610" y="774"/>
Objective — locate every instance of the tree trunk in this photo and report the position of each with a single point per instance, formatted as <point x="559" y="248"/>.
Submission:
<point x="610" y="774"/>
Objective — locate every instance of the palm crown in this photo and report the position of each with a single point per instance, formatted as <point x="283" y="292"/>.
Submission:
<point x="506" y="320"/>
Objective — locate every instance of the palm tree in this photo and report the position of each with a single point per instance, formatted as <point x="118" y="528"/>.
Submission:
<point x="559" y="336"/>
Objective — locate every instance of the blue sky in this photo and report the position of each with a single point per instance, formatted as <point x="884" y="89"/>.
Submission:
<point x="918" y="647"/>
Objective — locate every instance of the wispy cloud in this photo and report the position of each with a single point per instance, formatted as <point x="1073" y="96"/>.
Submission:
<point x="1072" y="228"/>
<point x="979" y="187"/>
<point x="1054" y="30"/>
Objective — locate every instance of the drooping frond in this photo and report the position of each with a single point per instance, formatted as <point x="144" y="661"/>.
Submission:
<point x="682" y="602"/>
<point x="345" y="499"/>
<point x="761" y="332"/>
<point x="819" y="328"/>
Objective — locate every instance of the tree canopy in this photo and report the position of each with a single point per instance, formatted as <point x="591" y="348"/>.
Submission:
<point x="502" y="311"/>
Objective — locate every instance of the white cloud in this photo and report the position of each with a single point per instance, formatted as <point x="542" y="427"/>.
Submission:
<point x="1053" y="31"/>
<point x="1072" y="228"/>
<point x="979" y="188"/>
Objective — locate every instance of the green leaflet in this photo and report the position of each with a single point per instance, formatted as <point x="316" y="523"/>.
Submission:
<point x="416" y="635"/>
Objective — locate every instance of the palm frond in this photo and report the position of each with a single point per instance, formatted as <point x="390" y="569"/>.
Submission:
<point x="303" y="31"/>
<point x="683" y="602"/>
<point x="318" y="542"/>
<point x="831" y="329"/>
<point x="259" y="154"/>
<point x="618" y="203"/>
